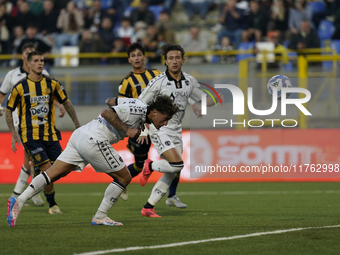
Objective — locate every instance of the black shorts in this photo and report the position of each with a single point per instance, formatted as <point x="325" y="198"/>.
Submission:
<point x="41" y="152"/>
<point x="138" y="149"/>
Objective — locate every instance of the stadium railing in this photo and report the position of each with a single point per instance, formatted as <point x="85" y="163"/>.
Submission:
<point x="303" y="60"/>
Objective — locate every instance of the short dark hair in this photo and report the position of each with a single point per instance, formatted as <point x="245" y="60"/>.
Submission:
<point x="28" y="45"/>
<point x="170" y="47"/>
<point x="32" y="25"/>
<point x="125" y="19"/>
<point x="164" y="12"/>
<point x="33" y="53"/>
<point x="164" y="104"/>
<point x="134" y="46"/>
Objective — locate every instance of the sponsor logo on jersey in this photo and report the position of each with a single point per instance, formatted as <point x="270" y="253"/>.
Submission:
<point x="139" y="84"/>
<point x="176" y="94"/>
<point x="39" y="122"/>
<point x="28" y="94"/>
<point x="187" y="83"/>
<point x="168" y="84"/>
<point x="122" y="109"/>
<point x="39" y="99"/>
<point x="167" y="143"/>
<point x="41" y="110"/>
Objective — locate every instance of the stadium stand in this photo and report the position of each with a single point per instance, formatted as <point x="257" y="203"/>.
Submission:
<point x="325" y="30"/>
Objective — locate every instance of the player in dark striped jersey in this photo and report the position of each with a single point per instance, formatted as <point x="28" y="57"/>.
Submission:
<point x="11" y="78"/>
<point x="131" y="86"/>
<point x="33" y="96"/>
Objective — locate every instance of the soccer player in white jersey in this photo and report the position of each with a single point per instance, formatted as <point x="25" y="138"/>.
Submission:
<point x="168" y="140"/>
<point x="131" y="87"/>
<point x="91" y="143"/>
<point x="11" y="78"/>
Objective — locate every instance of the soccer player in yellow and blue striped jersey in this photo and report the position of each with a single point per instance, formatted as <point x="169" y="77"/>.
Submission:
<point x="11" y="79"/>
<point x="133" y="83"/>
<point x="34" y="96"/>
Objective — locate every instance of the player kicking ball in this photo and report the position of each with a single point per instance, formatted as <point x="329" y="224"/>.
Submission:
<point x="91" y="144"/>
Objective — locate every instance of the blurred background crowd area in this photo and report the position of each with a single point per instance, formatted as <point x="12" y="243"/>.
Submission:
<point x="198" y="25"/>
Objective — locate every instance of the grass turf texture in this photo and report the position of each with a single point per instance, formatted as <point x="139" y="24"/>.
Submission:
<point x="214" y="210"/>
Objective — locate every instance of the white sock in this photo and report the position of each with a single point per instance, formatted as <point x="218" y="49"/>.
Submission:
<point x="111" y="195"/>
<point x="37" y="185"/>
<point x="161" y="188"/>
<point x="164" y="166"/>
<point x="21" y="182"/>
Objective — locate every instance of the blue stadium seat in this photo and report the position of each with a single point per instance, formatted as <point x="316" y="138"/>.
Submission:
<point x="156" y="10"/>
<point x="317" y="6"/>
<point x="128" y="10"/>
<point x="325" y="30"/>
<point x="245" y="46"/>
<point x="215" y="59"/>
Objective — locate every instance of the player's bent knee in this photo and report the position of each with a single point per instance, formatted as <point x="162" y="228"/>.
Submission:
<point x="59" y="169"/>
<point x="123" y="176"/>
<point x="126" y="179"/>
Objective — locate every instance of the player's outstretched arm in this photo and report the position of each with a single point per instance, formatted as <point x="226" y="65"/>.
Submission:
<point x="111" y="117"/>
<point x="72" y="113"/>
<point x="111" y="101"/>
<point x="15" y="136"/>
<point x="61" y="108"/>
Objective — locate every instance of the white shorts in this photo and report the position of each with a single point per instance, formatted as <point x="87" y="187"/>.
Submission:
<point x="82" y="149"/>
<point x="163" y="140"/>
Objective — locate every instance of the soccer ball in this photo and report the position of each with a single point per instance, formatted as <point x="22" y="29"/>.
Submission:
<point x="278" y="81"/>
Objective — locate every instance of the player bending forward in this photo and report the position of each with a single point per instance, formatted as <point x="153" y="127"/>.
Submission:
<point x="91" y="144"/>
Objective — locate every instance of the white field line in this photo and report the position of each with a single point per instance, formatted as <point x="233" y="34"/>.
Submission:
<point x="208" y="193"/>
<point x="202" y="241"/>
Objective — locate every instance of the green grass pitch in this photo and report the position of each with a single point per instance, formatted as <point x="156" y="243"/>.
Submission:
<point x="214" y="210"/>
